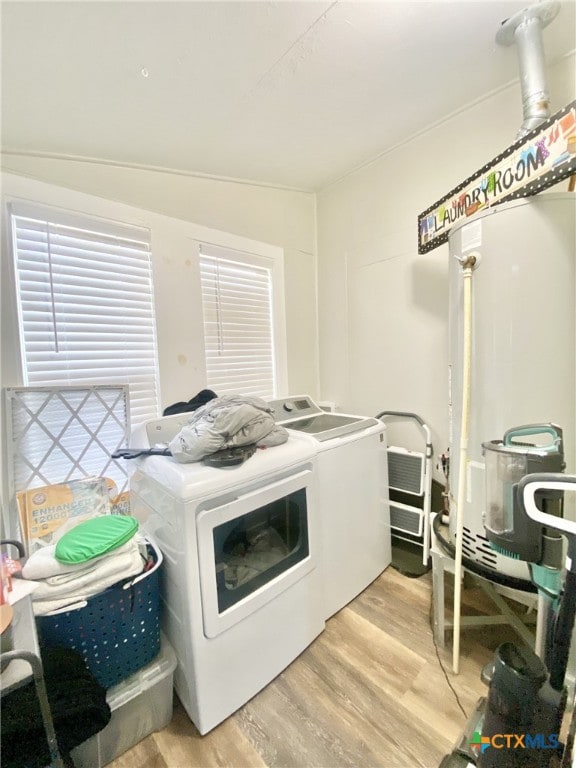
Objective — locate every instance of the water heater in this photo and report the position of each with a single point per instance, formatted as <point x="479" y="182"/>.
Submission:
<point x="523" y="365"/>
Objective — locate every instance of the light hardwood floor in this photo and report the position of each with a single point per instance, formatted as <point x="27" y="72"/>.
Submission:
<point x="368" y="693"/>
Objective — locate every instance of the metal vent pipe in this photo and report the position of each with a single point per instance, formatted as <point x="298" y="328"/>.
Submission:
<point x="525" y="29"/>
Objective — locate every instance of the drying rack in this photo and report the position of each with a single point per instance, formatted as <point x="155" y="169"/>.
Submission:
<point x="410" y="485"/>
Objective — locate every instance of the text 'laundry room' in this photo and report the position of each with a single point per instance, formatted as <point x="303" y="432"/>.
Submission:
<point x="288" y="372"/>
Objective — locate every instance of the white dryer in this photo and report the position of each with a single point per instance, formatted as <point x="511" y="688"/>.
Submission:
<point x="353" y="495"/>
<point x="241" y="584"/>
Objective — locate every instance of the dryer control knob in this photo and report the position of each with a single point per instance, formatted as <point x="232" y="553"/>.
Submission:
<point x="288" y="407"/>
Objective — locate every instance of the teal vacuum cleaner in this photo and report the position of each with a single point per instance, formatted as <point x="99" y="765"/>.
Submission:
<point x="518" y="724"/>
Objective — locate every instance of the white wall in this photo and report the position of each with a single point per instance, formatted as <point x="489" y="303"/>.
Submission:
<point x="389" y="303"/>
<point x="280" y="217"/>
<point x="382" y="329"/>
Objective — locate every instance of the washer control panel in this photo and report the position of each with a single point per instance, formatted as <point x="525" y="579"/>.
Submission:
<point x="293" y="408"/>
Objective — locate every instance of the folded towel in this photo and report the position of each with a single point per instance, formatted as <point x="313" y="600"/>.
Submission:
<point x="68" y="607"/>
<point x="42" y="564"/>
<point x="50" y="602"/>
<point x="109" y="569"/>
<point x="65" y="578"/>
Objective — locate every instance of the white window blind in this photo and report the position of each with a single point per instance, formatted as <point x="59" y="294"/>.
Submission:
<point x="238" y="322"/>
<point x="85" y="301"/>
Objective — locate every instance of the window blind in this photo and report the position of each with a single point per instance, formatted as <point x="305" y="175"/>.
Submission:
<point x="85" y="302"/>
<point x="238" y="322"/>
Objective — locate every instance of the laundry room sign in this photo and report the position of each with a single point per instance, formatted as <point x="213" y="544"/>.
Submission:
<point x="535" y="162"/>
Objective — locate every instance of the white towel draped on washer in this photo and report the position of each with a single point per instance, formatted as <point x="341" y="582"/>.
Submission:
<point x="226" y="422"/>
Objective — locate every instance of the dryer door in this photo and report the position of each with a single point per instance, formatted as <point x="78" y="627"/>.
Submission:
<point x="253" y="547"/>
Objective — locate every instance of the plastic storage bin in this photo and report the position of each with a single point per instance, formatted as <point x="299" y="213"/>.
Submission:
<point x="140" y="705"/>
<point x="118" y="631"/>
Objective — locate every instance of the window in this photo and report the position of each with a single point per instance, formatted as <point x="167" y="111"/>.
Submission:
<point x="85" y="303"/>
<point x="239" y="325"/>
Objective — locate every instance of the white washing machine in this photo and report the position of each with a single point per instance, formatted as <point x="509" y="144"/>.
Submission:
<point x="353" y="495"/>
<point x="241" y="580"/>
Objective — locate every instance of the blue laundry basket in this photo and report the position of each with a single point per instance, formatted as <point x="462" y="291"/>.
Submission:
<point x="118" y="631"/>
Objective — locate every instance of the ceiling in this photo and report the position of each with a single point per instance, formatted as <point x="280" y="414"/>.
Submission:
<point x="288" y="93"/>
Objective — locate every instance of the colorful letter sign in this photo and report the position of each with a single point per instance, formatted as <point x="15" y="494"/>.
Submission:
<point x="540" y="159"/>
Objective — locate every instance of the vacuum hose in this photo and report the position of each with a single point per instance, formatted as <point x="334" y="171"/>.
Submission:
<point x="477" y="568"/>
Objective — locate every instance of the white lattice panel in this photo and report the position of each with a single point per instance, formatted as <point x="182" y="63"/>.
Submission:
<point x="56" y="434"/>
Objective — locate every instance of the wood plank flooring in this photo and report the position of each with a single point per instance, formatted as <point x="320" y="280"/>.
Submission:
<point x="368" y="693"/>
